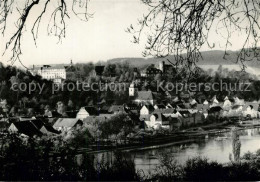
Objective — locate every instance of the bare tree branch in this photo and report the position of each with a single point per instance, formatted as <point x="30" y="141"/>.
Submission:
<point x="56" y="25"/>
<point x="181" y="28"/>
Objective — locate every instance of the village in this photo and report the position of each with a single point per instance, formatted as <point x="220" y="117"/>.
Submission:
<point x="146" y="112"/>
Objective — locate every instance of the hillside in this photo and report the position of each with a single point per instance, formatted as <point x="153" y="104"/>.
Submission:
<point x="209" y="58"/>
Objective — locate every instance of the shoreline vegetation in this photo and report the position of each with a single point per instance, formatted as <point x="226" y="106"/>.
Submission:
<point x="180" y="137"/>
<point x="32" y="160"/>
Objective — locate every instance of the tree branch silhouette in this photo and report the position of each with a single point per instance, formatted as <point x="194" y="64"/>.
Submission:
<point x="56" y="25"/>
<point x="182" y="27"/>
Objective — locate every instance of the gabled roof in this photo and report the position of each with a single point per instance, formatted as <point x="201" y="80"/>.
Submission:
<point x="144" y="95"/>
<point x="193" y="102"/>
<point x="226" y="98"/>
<point x="205" y="102"/>
<point x="176" y="99"/>
<point x="37" y="123"/>
<point x="51" y="66"/>
<point x="149" y="107"/>
<point x="66" y="122"/>
<point x="27" y="128"/>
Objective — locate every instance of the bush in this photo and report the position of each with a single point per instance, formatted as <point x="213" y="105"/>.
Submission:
<point x="198" y="169"/>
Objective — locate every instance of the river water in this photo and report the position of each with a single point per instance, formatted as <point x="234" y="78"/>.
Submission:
<point x="211" y="148"/>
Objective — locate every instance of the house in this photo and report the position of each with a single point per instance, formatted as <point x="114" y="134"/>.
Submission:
<point x="150" y="71"/>
<point x="235" y="111"/>
<point x="164" y="67"/>
<point x="192" y="119"/>
<point x="86" y="111"/>
<point x="132" y="90"/>
<point x="144" y="97"/>
<point x="146" y="109"/>
<point x="115" y="109"/>
<point x="203" y="109"/>
<point x="25" y="127"/>
<point x="65" y="124"/>
<point x="57" y="73"/>
<point x="176" y="114"/>
<point x="238" y="101"/>
<point x="205" y="102"/>
<point x="227" y="104"/>
<point x="214" y="101"/>
<point x="176" y="99"/>
<point x="193" y="102"/>
<point x="157" y="121"/>
<point x="250" y="110"/>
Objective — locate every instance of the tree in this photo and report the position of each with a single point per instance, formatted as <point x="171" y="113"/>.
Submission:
<point x="70" y="105"/>
<point x="61" y="11"/>
<point x="61" y="108"/>
<point x="182" y="27"/>
<point x="236" y="145"/>
<point x="122" y="78"/>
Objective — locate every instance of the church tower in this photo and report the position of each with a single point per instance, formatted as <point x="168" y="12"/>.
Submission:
<point x="132" y="89"/>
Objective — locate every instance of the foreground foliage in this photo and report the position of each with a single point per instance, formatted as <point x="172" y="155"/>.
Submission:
<point x="55" y="159"/>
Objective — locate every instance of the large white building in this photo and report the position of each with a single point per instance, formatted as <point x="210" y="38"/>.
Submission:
<point x="56" y="73"/>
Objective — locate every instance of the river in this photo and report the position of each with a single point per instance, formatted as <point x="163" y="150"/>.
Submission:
<point x="211" y="148"/>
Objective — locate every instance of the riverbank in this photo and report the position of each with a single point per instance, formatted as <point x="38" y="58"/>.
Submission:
<point x="183" y="136"/>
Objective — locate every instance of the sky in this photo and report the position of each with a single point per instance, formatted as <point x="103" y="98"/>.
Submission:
<point x="103" y="37"/>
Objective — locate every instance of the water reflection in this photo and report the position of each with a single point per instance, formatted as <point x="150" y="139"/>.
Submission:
<point x="215" y="150"/>
<point x="211" y="148"/>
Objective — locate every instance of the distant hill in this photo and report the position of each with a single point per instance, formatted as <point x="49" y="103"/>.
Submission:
<point x="209" y="58"/>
